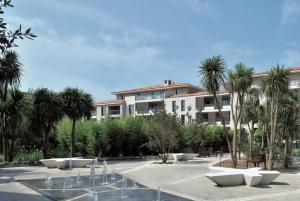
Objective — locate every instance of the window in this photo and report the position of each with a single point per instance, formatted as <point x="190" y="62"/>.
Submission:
<point x="176" y="92"/>
<point x="208" y="101"/>
<point x="131" y="109"/>
<point x="174" y="106"/>
<point x="205" y="117"/>
<point x="102" y="111"/>
<point x="225" y="100"/>
<point x="182" y="105"/>
<point x="182" y="119"/>
<point x="218" y="117"/>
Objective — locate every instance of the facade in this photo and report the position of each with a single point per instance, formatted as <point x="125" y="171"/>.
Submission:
<point x="187" y="101"/>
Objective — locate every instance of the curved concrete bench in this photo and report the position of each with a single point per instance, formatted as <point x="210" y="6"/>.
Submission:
<point x="252" y="176"/>
<point x="268" y="176"/>
<point x="184" y="156"/>
<point x="227" y="178"/>
<point x="65" y="162"/>
<point x="49" y="163"/>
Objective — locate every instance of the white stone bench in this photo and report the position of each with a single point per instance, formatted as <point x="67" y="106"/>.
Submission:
<point x="184" y="156"/>
<point x="227" y="178"/>
<point x="64" y="162"/>
<point x="252" y="177"/>
<point x="268" y="176"/>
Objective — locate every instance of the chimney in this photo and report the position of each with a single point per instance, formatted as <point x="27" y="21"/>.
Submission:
<point x="167" y="82"/>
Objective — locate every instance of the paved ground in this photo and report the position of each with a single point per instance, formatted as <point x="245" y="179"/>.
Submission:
<point x="183" y="179"/>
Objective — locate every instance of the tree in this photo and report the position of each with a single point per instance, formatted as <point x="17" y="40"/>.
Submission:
<point x="250" y="113"/>
<point x="239" y="82"/>
<point x="77" y="104"/>
<point x="47" y="113"/>
<point x="213" y="78"/>
<point x="13" y="109"/>
<point x="10" y="72"/>
<point x="274" y="85"/>
<point x="163" y="130"/>
<point x="288" y="122"/>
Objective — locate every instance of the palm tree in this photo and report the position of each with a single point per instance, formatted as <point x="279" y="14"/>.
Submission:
<point x="288" y="123"/>
<point x="275" y="84"/>
<point x="47" y="113"/>
<point x="76" y="104"/>
<point x="212" y="73"/>
<point x="10" y="74"/>
<point x="250" y="113"/>
<point x="239" y="82"/>
<point x="14" y="117"/>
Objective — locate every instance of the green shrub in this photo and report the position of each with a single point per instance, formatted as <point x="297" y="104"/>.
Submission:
<point x="1" y="158"/>
<point x="24" y="157"/>
<point x="296" y="152"/>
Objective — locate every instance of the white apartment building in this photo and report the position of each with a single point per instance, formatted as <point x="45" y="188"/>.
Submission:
<point x="186" y="100"/>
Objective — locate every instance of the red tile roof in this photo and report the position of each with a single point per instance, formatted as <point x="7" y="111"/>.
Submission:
<point x="110" y="102"/>
<point x="156" y="87"/>
<point x="201" y="93"/>
<point x="292" y="69"/>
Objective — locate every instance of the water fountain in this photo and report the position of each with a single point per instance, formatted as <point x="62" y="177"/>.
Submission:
<point x="104" y="173"/>
<point x="113" y="175"/>
<point x="92" y="183"/>
<point x="78" y="180"/>
<point x="124" y="187"/>
<point x="48" y="181"/>
<point x="134" y="184"/>
<point x="158" y="193"/>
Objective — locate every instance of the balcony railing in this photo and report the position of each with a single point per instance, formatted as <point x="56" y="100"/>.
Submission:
<point x="114" y="112"/>
<point x="149" y="97"/>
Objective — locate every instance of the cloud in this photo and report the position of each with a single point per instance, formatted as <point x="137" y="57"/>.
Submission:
<point x="291" y="58"/>
<point x="234" y="53"/>
<point x="97" y="64"/>
<point x="290" y="11"/>
<point x="200" y="7"/>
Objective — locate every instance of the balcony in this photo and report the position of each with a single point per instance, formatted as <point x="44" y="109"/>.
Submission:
<point x="114" y="110"/>
<point x="149" y="97"/>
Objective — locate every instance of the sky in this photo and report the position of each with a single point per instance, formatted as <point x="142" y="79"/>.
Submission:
<point x="102" y="46"/>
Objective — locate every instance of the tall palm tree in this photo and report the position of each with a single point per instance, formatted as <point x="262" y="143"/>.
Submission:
<point x="213" y="78"/>
<point x="10" y="75"/>
<point x="250" y="113"/>
<point x="76" y="104"/>
<point x="239" y="82"/>
<point x="47" y="113"/>
<point x="288" y="123"/>
<point x="14" y="118"/>
<point x="275" y="84"/>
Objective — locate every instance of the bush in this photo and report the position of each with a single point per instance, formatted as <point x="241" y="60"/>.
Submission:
<point x="24" y="157"/>
<point x="296" y="152"/>
<point x="97" y="142"/>
<point x="1" y="158"/>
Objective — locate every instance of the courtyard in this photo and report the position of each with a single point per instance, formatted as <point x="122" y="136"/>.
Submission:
<point x="176" y="181"/>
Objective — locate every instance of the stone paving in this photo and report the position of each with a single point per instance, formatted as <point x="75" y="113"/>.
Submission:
<point x="181" y="179"/>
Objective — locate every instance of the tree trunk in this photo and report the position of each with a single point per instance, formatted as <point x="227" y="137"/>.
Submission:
<point x="250" y="138"/>
<point x="4" y="134"/>
<point x="225" y="130"/>
<point x="45" y="143"/>
<point x="72" y="150"/>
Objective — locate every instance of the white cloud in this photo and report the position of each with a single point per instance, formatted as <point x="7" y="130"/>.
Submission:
<point x="200" y="7"/>
<point x="290" y="11"/>
<point x="234" y="53"/>
<point x="57" y="61"/>
<point x="291" y="58"/>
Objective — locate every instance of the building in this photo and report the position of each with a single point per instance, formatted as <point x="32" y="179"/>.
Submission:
<point x="186" y="100"/>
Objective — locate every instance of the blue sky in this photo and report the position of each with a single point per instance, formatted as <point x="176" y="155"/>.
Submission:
<point x="107" y="45"/>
